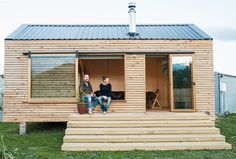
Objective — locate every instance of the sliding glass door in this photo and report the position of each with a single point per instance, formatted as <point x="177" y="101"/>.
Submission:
<point x="181" y="83"/>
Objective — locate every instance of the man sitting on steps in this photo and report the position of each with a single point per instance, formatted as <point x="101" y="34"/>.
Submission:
<point x="87" y="87"/>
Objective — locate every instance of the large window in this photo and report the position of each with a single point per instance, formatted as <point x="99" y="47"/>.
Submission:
<point x="52" y="76"/>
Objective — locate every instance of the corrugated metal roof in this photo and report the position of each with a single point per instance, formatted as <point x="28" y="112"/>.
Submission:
<point x="108" y="32"/>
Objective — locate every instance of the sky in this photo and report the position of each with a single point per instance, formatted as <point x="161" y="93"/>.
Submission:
<point x="215" y="17"/>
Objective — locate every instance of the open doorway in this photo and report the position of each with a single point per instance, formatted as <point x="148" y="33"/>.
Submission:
<point x="113" y="68"/>
<point x="157" y="85"/>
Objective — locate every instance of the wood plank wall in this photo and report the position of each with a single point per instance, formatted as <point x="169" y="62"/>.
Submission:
<point x="17" y="108"/>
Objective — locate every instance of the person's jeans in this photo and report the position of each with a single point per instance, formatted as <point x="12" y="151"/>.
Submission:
<point x="89" y="100"/>
<point x="106" y="106"/>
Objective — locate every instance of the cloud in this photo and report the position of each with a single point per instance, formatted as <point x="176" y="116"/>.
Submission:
<point x="222" y="33"/>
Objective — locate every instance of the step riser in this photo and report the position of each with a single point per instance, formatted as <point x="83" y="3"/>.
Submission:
<point x="137" y="118"/>
<point x="138" y="125"/>
<point x="93" y="122"/>
<point x="140" y="132"/>
<point x="141" y="121"/>
<point x="123" y="140"/>
<point x="154" y="146"/>
<point x="152" y="114"/>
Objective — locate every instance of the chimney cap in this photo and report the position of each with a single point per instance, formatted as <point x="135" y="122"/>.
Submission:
<point x="132" y="5"/>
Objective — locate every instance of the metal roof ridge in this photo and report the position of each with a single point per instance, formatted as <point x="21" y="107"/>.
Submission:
<point x="141" y="24"/>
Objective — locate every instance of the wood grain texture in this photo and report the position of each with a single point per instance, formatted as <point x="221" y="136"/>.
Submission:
<point x="145" y="131"/>
<point x="17" y="108"/>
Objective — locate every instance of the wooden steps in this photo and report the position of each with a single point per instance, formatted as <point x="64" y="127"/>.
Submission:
<point x="142" y="131"/>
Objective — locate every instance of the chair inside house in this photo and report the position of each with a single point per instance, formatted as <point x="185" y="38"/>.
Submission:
<point x="152" y="99"/>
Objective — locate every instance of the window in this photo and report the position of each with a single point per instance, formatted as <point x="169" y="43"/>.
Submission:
<point x="52" y="76"/>
<point x="181" y="76"/>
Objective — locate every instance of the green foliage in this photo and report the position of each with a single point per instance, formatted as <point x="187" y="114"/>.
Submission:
<point x="80" y="96"/>
<point x="4" y="152"/>
<point x="182" y="77"/>
<point x="165" y="68"/>
<point x="44" y="140"/>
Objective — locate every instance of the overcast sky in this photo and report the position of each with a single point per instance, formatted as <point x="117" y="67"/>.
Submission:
<point x="216" y="17"/>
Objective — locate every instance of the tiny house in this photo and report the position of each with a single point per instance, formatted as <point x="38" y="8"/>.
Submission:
<point x="43" y="68"/>
<point x="44" y="64"/>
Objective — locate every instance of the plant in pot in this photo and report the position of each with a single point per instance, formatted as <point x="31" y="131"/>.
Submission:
<point x="81" y="105"/>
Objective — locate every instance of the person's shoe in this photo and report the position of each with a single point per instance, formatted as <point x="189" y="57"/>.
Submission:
<point x="90" y="111"/>
<point x="104" y="113"/>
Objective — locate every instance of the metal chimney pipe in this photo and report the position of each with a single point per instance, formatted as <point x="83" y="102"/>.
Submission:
<point x="132" y="19"/>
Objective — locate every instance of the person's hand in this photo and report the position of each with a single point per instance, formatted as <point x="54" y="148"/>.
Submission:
<point x="105" y="97"/>
<point x="92" y="94"/>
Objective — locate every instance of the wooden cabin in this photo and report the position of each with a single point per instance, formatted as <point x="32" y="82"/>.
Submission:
<point x="43" y="65"/>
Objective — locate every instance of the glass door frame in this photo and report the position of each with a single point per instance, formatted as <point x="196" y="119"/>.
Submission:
<point x="171" y="89"/>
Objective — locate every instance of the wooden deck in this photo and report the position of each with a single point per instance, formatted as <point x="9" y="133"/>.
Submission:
<point x="142" y="131"/>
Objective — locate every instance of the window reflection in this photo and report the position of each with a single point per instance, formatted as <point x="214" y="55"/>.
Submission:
<point x="182" y="82"/>
<point x="52" y="76"/>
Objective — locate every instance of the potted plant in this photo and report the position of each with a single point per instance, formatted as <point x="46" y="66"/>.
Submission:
<point x="81" y="105"/>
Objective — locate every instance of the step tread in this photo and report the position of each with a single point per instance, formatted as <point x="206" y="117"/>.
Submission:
<point x="144" y="130"/>
<point x="145" y="146"/>
<point x="143" y="138"/>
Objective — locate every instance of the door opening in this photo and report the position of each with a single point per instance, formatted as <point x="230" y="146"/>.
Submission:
<point x="157" y="85"/>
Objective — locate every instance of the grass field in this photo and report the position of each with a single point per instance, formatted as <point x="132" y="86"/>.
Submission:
<point x="43" y="141"/>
